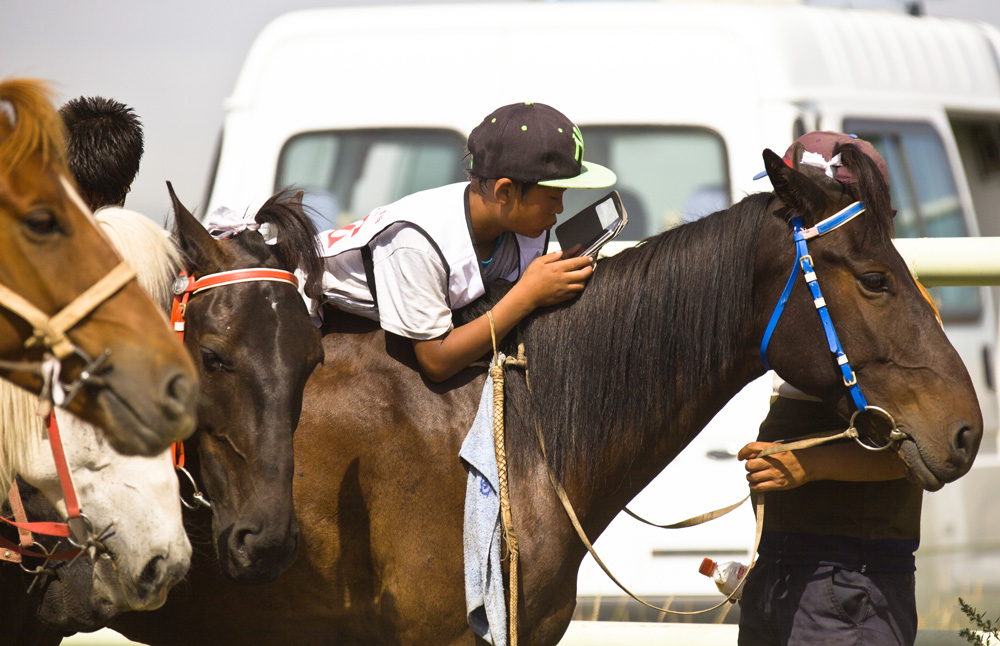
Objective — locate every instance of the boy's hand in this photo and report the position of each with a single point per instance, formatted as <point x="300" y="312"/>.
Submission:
<point x="550" y="279"/>
<point x="775" y="472"/>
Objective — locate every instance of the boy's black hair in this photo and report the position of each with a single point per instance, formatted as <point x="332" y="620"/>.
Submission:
<point x="104" y="145"/>
<point x="480" y="182"/>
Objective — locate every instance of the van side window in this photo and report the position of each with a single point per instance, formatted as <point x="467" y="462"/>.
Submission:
<point x="925" y="196"/>
<point x="666" y="175"/>
<point x="347" y="173"/>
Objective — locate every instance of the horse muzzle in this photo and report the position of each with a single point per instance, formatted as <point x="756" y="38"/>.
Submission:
<point x="934" y="464"/>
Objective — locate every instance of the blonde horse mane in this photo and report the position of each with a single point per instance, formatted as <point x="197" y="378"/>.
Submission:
<point x="156" y="260"/>
<point x="29" y="124"/>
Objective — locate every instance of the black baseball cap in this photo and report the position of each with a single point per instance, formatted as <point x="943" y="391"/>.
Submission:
<point x="534" y="143"/>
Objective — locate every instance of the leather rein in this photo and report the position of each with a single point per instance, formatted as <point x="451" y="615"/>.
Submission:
<point x="187" y="286"/>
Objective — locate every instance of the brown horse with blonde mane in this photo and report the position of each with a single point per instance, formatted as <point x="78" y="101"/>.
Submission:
<point x="72" y="319"/>
<point x="621" y="379"/>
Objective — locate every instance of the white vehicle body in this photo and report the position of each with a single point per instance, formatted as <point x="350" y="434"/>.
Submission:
<point x="362" y="105"/>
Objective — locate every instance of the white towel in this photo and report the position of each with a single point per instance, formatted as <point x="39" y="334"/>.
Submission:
<point x="484" y="593"/>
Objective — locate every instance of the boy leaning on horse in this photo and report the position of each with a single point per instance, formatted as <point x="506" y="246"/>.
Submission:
<point x="410" y="263"/>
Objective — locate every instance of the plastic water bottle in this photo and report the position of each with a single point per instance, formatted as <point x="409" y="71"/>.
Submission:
<point x="727" y="576"/>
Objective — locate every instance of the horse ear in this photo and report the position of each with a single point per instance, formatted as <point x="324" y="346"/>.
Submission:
<point x="200" y="249"/>
<point x="802" y="195"/>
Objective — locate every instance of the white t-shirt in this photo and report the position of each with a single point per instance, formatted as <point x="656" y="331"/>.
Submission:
<point x="411" y="283"/>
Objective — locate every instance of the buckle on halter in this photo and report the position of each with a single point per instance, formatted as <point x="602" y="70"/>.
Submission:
<point x="854" y="382"/>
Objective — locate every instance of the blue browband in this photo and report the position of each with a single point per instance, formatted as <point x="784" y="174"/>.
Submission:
<point x="804" y="260"/>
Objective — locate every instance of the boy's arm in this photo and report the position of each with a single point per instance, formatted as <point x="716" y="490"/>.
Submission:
<point x="845" y="461"/>
<point x="547" y="280"/>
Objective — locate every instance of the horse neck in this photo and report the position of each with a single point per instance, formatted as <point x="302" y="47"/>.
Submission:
<point x="659" y="341"/>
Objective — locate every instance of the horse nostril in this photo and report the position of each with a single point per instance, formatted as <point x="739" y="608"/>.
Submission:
<point x="152" y="574"/>
<point x="966" y="443"/>
<point x="177" y="396"/>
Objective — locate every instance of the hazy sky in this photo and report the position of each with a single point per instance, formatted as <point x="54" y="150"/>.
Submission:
<point x="176" y="61"/>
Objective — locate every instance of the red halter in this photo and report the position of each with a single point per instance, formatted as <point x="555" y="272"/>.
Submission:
<point x="76" y="526"/>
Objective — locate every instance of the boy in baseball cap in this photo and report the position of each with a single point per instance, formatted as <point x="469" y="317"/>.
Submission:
<point x="410" y="263"/>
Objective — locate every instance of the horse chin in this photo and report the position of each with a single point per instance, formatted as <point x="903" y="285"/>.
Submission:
<point x="129" y="434"/>
<point x="918" y="469"/>
<point x="241" y="565"/>
<point x="70" y="604"/>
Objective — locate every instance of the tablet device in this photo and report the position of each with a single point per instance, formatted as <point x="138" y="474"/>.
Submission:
<point x="593" y="226"/>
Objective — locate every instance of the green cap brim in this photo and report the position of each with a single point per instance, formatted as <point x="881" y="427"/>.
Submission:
<point x="593" y="176"/>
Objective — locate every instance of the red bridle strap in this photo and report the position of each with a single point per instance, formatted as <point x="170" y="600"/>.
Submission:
<point x="7" y="546"/>
<point x="47" y="528"/>
<point x="183" y="290"/>
<point x="62" y="467"/>
<point x="243" y="276"/>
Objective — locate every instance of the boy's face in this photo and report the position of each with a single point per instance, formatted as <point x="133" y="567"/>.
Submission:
<point x="535" y="212"/>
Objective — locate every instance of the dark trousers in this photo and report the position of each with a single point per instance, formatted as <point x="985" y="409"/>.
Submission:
<point x="822" y="605"/>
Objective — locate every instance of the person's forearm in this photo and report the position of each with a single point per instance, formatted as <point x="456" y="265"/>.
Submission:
<point x="444" y="357"/>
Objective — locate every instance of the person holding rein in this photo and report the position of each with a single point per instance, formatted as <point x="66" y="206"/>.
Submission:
<point x="411" y="263"/>
<point x="841" y="523"/>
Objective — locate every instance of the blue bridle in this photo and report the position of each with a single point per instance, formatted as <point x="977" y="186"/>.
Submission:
<point x="804" y="261"/>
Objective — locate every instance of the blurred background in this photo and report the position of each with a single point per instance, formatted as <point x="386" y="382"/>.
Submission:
<point x="176" y="62"/>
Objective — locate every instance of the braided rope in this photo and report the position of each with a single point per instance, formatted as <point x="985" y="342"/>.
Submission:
<point x="499" y="446"/>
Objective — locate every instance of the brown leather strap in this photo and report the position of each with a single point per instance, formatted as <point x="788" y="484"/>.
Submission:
<point x="51" y="332"/>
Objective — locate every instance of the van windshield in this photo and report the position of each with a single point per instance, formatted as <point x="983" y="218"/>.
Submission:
<point x="347" y="173"/>
<point x="666" y="175"/>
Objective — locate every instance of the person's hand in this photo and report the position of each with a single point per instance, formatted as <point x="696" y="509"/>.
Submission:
<point x="776" y="472"/>
<point x="550" y="279"/>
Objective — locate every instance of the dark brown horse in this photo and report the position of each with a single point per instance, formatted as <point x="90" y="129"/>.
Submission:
<point x="621" y="380"/>
<point x="143" y="392"/>
<point x="255" y="347"/>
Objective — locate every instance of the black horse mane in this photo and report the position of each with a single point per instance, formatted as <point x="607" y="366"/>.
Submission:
<point x="870" y="188"/>
<point x="656" y="322"/>
<point x="604" y="364"/>
<point x="296" y="239"/>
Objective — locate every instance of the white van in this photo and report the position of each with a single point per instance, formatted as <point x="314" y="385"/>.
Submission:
<point x="364" y="105"/>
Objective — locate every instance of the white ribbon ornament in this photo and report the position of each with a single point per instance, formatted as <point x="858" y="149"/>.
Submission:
<point x="819" y="161"/>
<point x="223" y="223"/>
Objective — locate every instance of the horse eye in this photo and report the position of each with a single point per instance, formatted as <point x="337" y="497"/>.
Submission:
<point x="42" y="222"/>
<point x="211" y="360"/>
<point x="875" y="282"/>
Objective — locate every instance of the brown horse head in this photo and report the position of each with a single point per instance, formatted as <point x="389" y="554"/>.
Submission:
<point x="143" y="392"/>
<point x="256" y="346"/>
<point x="900" y="356"/>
